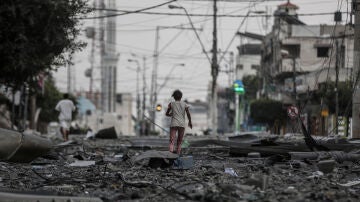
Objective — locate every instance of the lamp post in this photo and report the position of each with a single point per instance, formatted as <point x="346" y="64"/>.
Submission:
<point x="193" y="28"/>
<point x="213" y="63"/>
<point x="137" y="95"/>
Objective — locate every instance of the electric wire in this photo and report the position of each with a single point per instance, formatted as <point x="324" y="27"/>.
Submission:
<point x="127" y="12"/>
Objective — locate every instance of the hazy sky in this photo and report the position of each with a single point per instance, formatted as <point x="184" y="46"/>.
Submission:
<point x="136" y="35"/>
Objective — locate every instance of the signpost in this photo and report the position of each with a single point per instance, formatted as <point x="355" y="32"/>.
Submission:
<point x="239" y="90"/>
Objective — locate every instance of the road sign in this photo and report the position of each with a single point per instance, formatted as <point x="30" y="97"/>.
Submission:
<point x="238" y="87"/>
<point x="293" y="112"/>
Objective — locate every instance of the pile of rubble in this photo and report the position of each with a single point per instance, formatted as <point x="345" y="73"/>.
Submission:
<point x="142" y="169"/>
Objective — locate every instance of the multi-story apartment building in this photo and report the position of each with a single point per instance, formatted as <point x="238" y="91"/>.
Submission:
<point x="310" y="52"/>
<point x="297" y="59"/>
<point x="248" y="60"/>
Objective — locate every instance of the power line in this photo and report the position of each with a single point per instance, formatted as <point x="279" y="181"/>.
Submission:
<point x="124" y="12"/>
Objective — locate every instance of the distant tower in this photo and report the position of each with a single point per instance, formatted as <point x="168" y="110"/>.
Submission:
<point x="109" y="59"/>
<point x="288" y="8"/>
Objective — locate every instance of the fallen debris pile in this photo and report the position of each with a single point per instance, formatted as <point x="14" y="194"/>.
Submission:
<point x="111" y="170"/>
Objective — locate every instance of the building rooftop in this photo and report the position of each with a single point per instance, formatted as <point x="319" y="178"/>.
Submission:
<point x="250" y="49"/>
<point x="288" y="5"/>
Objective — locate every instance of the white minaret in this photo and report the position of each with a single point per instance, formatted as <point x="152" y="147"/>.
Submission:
<point x="109" y="59"/>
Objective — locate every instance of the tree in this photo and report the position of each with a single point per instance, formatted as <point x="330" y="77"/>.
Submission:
<point x="251" y="85"/>
<point x="267" y="111"/>
<point x="345" y="91"/>
<point x="36" y="37"/>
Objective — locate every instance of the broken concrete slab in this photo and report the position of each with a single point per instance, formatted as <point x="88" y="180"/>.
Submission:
<point x="326" y="166"/>
<point x="106" y="133"/>
<point x="22" y="147"/>
<point x="254" y="155"/>
<point x="338" y="156"/>
<point x="253" y="138"/>
<point x="82" y="163"/>
<point x="150" y="143"/>
<point x="45" y="198"/>
<point x="154" y="154"/>
<point x="350" y="183"/>
<point x="183" y="162"/>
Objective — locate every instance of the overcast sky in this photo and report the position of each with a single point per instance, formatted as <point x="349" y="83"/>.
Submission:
<point x="136" y="35"/>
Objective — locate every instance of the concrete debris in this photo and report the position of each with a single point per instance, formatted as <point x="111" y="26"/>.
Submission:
<point x="89" y="135"/>
<point x="116" y="170"/>
<point x="254" y="155"/>
<point x="154" y="154"/>
<point x="326" y="166"/>
<point x="82" y="163"/>
<point x="350" y="184"/>
<point x="106" y="133"/>
<point x="316" y="174"/>
<point x="231" y="171"/>
<point x="22" y="147"/>
<point x="44" y="198"/>
<point x="183" y="162"/>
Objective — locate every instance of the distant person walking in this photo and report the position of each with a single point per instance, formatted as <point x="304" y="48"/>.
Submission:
<point x="65" y="107"/>
<point x="176" y="110"/>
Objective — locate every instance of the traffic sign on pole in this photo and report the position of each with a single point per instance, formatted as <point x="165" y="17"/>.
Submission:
<point x="238" y="87"/>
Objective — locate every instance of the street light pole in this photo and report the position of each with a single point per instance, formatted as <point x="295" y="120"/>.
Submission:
<point x="213" y="62"/>
<point x="193" y="28"/>
<point x="153" y="96"/>
<point x="214" y="73"/>
<point x="137" y="95"/>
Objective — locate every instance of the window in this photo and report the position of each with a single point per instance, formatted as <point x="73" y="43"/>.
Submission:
<point x="255" y="67"/>
<point x="239" y="67"/>
<point x="323" y="52"/>
<point x="119" y="98"/>
<point x="292" y="49"/>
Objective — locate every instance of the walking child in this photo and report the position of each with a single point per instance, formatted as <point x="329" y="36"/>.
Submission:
<point x="176" y="110"/>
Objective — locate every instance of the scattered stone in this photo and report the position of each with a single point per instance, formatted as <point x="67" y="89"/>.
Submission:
<point x="183" y="162"/>
<point x="82" y="163"/>
<point x="326" y="166"/>
<point x="231" y="172"/>
<point x="254" y="155"/>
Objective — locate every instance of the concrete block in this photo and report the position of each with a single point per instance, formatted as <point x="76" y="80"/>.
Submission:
<point x="254" y="155"/>
<point x="183" y="162"/>
<point x="326" y="166"/>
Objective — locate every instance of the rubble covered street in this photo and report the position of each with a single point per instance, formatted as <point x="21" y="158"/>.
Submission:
<point x="114" y="170"/>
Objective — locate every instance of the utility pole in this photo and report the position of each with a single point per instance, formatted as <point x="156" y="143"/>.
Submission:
<point x="231" y="69"/>
<point x="138" y="108"/>
<point x="214" y="74"/>
<point x="154" y="76"/>
<point x="153" y="96"/>
<point x="336" y="88"/>
<point x="142" y="130"/>
<point x="69" y="76"/>
<point x="294" y="78"/>
<point x="144" y="88"/>
<point x="92" y="60"/>
<point x="356" y="64"/>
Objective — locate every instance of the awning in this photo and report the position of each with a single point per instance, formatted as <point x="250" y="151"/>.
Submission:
<point x="85" y="105"/>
